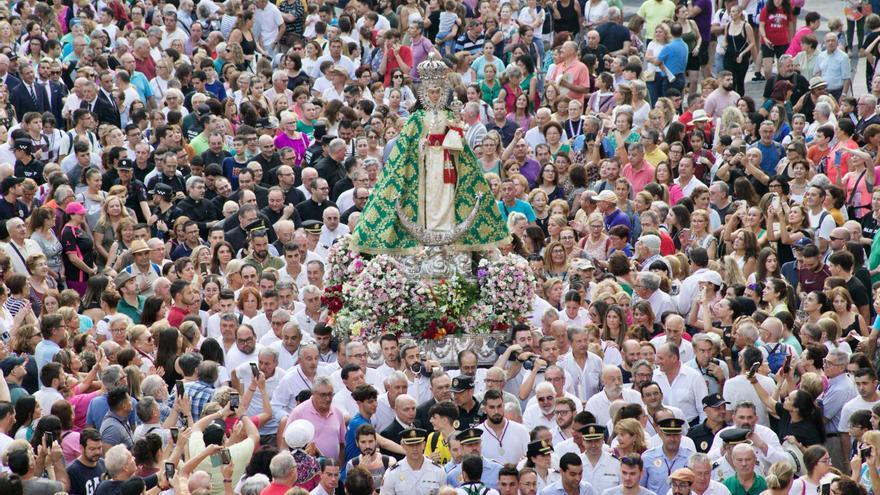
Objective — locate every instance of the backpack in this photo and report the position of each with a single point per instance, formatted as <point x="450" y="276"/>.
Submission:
<point x="775" y="356"/>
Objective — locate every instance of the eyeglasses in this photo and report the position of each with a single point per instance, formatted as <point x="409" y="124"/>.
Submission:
<point x="545" y="399"/>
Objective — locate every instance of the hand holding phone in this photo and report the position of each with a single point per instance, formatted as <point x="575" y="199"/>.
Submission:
<point x="786" y="368"/>
<point x="169" y="471"/>
<point x="234" y="401"/>
<point x="753" y="370"/>
<point x="179" y="387"/>
<point x="225" y="456"/>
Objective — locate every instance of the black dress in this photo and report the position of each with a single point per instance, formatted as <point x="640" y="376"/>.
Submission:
<point x="735" y="45"/>
<point x="805" y="432"/>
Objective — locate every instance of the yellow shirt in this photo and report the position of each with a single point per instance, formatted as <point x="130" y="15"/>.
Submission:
<point x="440" y="447"/>
<point x="656" y="156"/>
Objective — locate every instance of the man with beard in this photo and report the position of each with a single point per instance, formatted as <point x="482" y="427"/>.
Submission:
<point x="564" y="410"/>
<point x="612" y="390"/>
<point x="600" y="467"/>
<point x="366" y="398"/>
<point x="505" y="441"/>
<point x="630" y="354"/>
<point x="370" y="458"/>
<point x="670" y="454"/>
<point x="245" y="349"/>
<point x="681" y="481"/>
<point x="714" y="406"/>
<point x="542" y="412"/>
<point x="259" y="257"/>
<point x="723" y="96"/>
<point x="85" y="471"/>
<point x="184" y="296"/>
<point x="472" y="444"/>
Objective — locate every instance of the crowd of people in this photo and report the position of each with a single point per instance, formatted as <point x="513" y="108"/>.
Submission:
<point x="174" y="175"/>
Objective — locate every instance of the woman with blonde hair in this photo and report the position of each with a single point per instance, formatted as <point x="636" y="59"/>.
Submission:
<point x="701" y="235"/>
<point x="538" y="199"/>
<point x="490" y="152"/>
<point x="555" y="261"/>
<point x="730" y="271"/>
<point x="630" y="437"/>
<point x="112" y="212"/>
<point x="596" y="242"/>
<point x="779" y="478"/>
<point x="554" y="226"/>
<point x="640" y="106"/>
<point x="831" y="332"/>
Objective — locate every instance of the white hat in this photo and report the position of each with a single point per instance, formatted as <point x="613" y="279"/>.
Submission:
<point x="299" y="433"/>
<point x="606" y="195"/>
<point x="699" y="116"/>
<point x="712" y="277"/>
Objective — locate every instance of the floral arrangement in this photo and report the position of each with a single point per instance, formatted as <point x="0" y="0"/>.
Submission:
<point x="369" y="297"/>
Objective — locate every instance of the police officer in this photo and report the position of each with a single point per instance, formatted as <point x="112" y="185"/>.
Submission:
<point x="540" y="448"/>
<point x="472" y="443"/>
<point x="601" y="469"/>
<point x="722" y="468"/>
<point x="468" y="408"/>
<point x="571" y="467"/>
<point x="415" y="474"/>
<point x="704" y="433"/>
<point x="660" y="462"/>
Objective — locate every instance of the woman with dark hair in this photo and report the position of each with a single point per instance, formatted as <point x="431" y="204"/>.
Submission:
<point x="813" y="357"/>
<point x="211" y="350"/>
<point x="79" y="253"/>
<point x="643" y="315"/>
<point x="166" y="354"/>
<point x="147" y="453"/>
<point x="27" y="412"/>
<point x="800" y="418"/>
<point x="678" y="219"/>
<point x="817" y="462"/>
<point x="815" y="305"/>
<point x="154" y="310"/>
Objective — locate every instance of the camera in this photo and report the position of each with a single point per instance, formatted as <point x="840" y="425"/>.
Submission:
<point x="420" y="368"/>
<point x="864" y="453"/>
<point x="529" y="363"/>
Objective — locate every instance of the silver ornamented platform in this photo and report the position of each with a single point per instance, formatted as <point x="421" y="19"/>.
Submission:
<point x="445" y="351"/>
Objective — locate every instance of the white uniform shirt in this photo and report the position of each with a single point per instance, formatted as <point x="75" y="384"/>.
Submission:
<point x="605" y="474"/>
<point x="685" y="350"/>
<point x="402" y="479"/>
<point x="775" y="452"/>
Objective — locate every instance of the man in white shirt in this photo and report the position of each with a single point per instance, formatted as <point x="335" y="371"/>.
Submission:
<point x="675" y="328"/>
<point x="351" y="376"/>
<point x="335" y="55"/>
<point x="612" y="390"/>
<point x="763" y="439"/>
<point x="51" y="377"/>
<point x="543" y="411"/>
<point x="20" y="247"/>
<point x="268" y="25"/>
<point x="648" y="288"/>
<point x="298" y="378"/>
<point x="866" y="384"/>
<point x="289" y="345"/>
<point x="245" y="349"/>
<point x="332" y="229"/>
<point x="267" y="367"/>
<point x="688" y="293"/>
<point x="502" y="440"/>
<point x="683" y="387"/>
<point x="171" y="31"/>
<point x="356" y="353"/>
<point x="821" y="220"/>
<point x="308" y="317"/>
<point x="739" y="388"/>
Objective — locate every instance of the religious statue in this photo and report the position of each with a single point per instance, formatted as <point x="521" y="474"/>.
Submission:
<point x="431" y="192"/>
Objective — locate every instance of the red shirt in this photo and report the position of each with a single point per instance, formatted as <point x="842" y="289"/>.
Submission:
<point x="776" y="26"/>
<point x="275" y="488"/>
<point x="146" y="66"/>
<point x="176" y="315"/>
<point x="391" y="62"/>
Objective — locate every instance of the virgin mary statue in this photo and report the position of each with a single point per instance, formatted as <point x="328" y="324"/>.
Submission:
<point x="431" y="183"/>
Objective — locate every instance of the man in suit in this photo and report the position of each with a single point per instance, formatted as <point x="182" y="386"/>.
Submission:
<point x="100" y="108"/>
<point x="28" y="96"/>
<point x="5" y="77"/>
<point x="441" y="389"/>
<point x="404" y="418"/>
<point x="55" y="90"/>
<point x="105" y="93"/>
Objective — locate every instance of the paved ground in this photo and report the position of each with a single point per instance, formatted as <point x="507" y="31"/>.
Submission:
<point x="827" y="8"/>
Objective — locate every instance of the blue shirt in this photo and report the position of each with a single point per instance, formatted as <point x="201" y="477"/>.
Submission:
<point x="98" y="408"/>
<point x="520" y="206"/>
<point x="351" y="448"/>
<point x="834" y="68"/>
<point x="674" y="56"/>
<point x="489" y="477"/>
<point x="142" y="85"/>
<point x="616" y="217"/>
<point x="770" y="156"/>
<point x="44" y="353"/>
<point x="658" y="468"/>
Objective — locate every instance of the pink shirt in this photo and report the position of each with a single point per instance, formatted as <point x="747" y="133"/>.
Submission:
<point x="299" y="146"/>
<point x="329" y="430"/>
<point x="794" y="46"/>
<point x="579" y="76"/>
<point x="80" y="404"/>
<point x="638" y="178"/>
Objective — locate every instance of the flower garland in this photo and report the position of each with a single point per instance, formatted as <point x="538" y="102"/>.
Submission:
<point x="367" y="298"/>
